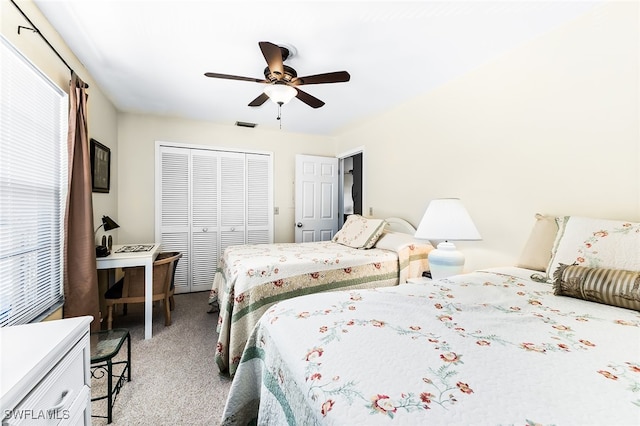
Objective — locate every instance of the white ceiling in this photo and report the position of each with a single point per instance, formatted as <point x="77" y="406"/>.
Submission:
<point x="150" y="56"/>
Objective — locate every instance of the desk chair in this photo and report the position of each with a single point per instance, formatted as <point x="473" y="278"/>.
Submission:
<point x="130" y="289"/>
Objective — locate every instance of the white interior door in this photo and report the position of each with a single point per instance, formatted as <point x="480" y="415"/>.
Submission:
<point x="316" y="203"/>
<point x="259" y="199"/>
<point x="175" y="210"/>
<point x="204" y="218"/>
<point x="233" y="198"/>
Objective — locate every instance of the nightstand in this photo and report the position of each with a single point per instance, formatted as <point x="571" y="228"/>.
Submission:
<point x="419" y="280"/>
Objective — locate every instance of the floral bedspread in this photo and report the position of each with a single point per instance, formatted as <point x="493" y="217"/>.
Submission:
<point x="251" y="278"/>
<point x="490" y="347"/>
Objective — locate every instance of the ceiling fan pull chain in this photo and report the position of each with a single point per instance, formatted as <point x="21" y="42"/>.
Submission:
<point x="279" y="114"/>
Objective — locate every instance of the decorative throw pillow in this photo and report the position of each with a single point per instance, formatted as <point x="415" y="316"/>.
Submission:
<point x="360" y="232"/>
<point x="537" y="250"/>
<point x="596" y="243"/>
<point x="609" y="286"/>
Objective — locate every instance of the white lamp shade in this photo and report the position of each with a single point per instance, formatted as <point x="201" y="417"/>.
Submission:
<point x="446" y="219"/>
<point x="280" y="93"/>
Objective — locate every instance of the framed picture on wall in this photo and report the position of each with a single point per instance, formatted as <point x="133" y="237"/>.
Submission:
<point x="100" y="167"/>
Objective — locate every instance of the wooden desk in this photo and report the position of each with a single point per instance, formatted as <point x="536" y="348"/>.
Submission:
<point x="142" y="258"/>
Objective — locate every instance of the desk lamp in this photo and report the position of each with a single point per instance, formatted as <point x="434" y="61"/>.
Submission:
<point x="446" y="220"/>
<point x="105" y="248"/>
<point x="108" y="224"/>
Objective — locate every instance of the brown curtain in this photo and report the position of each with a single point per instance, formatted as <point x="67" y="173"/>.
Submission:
<point x="80" y="274"/>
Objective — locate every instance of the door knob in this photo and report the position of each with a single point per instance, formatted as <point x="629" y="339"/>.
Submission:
<point x="299" y="224"/>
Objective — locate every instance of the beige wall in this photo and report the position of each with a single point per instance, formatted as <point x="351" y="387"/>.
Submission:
<point x="102" y="113"/>
<point x="137" y="137"/>
<point x="552" y="127"/>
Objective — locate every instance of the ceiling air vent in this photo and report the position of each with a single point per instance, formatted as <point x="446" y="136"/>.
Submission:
<point x="245" y="124"/>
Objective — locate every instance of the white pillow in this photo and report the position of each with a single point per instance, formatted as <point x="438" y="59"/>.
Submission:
<point x="596" y="243"/>
<point x="396" y="240"/>
<point x="359" y="232"/>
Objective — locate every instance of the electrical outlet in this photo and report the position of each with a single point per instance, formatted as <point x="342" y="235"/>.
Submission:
<point x="370" y="211"/>
<point x="276" y="210"/>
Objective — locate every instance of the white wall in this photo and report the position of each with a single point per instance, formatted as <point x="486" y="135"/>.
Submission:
<point x="102" y="114"/>
<point x="552" y="127"/>
<point x="136" y="161"/>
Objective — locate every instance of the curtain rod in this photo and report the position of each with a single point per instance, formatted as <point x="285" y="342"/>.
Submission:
<point x="36" y="30"/>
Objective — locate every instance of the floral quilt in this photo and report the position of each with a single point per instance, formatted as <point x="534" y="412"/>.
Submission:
<point x="490" y="347"/>
<point x="251" y="278"/>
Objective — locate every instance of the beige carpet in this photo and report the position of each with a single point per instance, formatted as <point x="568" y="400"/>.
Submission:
<point x="175" y="380"/>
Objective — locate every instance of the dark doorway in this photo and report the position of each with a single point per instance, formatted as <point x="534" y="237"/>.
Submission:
<point x="352" y="185"/>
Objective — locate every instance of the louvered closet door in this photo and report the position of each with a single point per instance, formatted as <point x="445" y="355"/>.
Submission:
<point x="259" y="205"/>
<point x="232" y="199"/>
<point x="205" y="217"/>
<point x="208" y="200"/>
<point x="175" y="210"/>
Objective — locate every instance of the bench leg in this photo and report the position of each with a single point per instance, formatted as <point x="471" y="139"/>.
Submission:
<point x="110" y="391"/>
<point x="128" y="357"/>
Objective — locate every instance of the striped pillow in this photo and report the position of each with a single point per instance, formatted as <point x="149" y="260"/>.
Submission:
<point x="610" y="286"/>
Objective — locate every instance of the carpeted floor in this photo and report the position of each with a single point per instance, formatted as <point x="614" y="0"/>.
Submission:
<point x="175" y="380"/>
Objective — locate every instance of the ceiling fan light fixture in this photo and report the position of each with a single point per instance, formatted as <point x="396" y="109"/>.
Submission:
<point x="280" y="93"/>
<point x="282" y="80"/>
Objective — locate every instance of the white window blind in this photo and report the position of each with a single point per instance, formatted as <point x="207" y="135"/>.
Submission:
<point x="33" y="189"/>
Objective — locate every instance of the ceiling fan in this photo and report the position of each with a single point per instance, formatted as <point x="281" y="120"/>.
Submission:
<point x="283" y="81"/>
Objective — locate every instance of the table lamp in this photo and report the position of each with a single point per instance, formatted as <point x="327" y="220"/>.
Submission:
<point x="446" y="220"/>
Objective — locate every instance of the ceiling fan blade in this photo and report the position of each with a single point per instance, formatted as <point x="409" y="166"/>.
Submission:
<point x="235" y="77"/>
<point x="273" y="55"/>
<point x="259" y="100"/>
<point x="330" y="77"/>
<point x="312" y="101"/>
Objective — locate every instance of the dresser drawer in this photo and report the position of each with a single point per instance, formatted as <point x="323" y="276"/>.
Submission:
<point x="80" y="413"/>
<point x="50" y="401"/>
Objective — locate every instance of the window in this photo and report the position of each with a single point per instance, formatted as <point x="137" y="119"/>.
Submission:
<point x="33" y="189"/>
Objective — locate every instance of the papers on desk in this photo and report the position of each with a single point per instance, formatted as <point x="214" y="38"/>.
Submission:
<point x="135" y="248"/>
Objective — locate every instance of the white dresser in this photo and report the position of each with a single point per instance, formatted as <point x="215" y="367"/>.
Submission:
<point x="44" y="373"/>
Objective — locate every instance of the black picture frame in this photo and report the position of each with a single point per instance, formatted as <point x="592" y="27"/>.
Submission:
<point x="100" y="167"/>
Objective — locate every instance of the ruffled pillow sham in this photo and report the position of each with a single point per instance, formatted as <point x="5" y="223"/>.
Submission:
<point x="596" y="243"/>
<point x="360" y="232"/>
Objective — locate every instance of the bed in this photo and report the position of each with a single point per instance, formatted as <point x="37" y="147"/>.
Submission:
<point x="251" y="278"/>
<point x="498" y="346"/>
